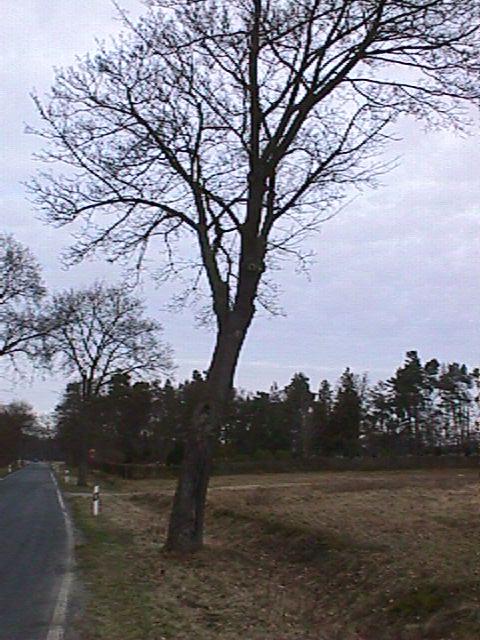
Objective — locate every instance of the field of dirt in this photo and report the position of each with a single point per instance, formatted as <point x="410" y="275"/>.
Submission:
<point x="324" y="556"/>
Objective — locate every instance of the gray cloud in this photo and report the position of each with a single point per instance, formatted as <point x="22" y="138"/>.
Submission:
<point x="398" y="269"/>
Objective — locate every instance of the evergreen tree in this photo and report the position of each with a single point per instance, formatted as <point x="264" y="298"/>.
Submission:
<point x="381" y="432"/>
<point x="257" y="424"/>
<point x="130" y="412"/>
<point x="68" y="420"/>
<point x="165" y="422"/>
<point x="322" y="410"/>
<point x="298" y="406"/>
<point x="456" y="388"/>
<point x="408" y="387"/>
<point x="346" y="417"/>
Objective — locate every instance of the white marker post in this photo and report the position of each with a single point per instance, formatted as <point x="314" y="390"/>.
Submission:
<point x="96" y="500"/>
<point x="9" y="468"/>
<point x="66" y="476"/>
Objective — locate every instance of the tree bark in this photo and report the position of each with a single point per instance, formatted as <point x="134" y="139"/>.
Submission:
<point x="186" y="528"/>
<point x="185" y="533"/>
<point x="82" y="473"/>
<point x="83" y="459"/>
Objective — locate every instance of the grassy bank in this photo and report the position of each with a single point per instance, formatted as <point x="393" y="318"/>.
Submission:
<point x="383" y="556"/>
<point x="289" y="465"/>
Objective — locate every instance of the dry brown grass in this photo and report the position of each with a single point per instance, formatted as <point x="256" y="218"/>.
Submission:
<point x="331" y="556"/>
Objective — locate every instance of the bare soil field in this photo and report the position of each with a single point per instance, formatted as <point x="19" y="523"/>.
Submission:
<point x="320" y="556"/>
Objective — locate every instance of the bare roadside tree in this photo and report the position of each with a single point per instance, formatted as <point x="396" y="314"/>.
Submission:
<point x="22" y="325"/>
<point x="17" y="422"/>
<point x="237" y="127"/>
<point x="100" y="331"/>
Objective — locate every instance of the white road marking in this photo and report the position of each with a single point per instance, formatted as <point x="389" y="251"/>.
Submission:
<point x="57" y="625"/>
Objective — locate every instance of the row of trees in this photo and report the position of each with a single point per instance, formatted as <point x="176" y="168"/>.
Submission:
<point x="89" y="334"/>
<point x="22" y="434"/>
<point x="422" y="408"/>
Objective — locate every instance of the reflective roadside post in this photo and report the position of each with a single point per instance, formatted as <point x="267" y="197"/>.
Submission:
<point x="96" y="500"/>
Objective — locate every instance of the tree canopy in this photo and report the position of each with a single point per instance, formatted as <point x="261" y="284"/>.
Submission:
<point x="101" y="330"/>
<point x="242" y="124"/>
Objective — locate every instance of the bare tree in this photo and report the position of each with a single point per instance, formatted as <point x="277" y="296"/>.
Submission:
<point x="21" y="293"/>
<point x="17" y="422"/>
<point x="100" y="331"/>
<point x="237" y="126"/>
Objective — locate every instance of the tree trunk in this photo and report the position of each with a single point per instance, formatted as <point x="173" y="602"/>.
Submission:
<point x="186" y="527"/>
<point x="185" y="533"/>
<point x="83" y="459"/>
<point x="82" y="473"/>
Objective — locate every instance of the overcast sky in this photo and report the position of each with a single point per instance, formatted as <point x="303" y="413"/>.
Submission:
<point x="398" y="269"/>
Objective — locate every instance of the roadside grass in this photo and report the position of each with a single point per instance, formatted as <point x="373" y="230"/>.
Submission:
<point x="4" y="472"/>
<point x="119" y="593"/>
<point x="113" y="484"/>
<point x="383" y="556"/>
<point x="336" y="481"/>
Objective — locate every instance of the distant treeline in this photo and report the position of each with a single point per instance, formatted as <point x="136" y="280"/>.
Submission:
<point x="422" y="408"/>
<point x="22" y="435"/>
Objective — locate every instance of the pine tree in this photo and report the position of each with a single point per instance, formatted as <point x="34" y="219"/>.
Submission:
<point x="322" y="410"/>
<point x="346" y="417"/>
<point x="381" y="431"/>
<point x="298" y="407"/>
<point x="165" y="421"/>
<point x="408" y="387"/>
<point x="456" y="387"/>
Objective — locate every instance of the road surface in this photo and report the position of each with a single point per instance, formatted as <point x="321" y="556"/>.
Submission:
<point x="34" y="553"/>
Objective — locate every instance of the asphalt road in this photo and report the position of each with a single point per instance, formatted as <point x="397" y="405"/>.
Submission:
<point x="33" y="553"/>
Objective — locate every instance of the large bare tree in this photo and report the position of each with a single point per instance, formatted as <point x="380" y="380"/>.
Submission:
<point x="98" y="332"/>
<point x="217" y="134"/>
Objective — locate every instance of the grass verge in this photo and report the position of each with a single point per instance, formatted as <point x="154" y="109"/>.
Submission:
<point x="386" y="557"/>
<point x="119" y="592"/>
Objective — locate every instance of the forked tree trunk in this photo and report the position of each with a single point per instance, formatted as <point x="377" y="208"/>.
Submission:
<point x="185" y="533"/>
